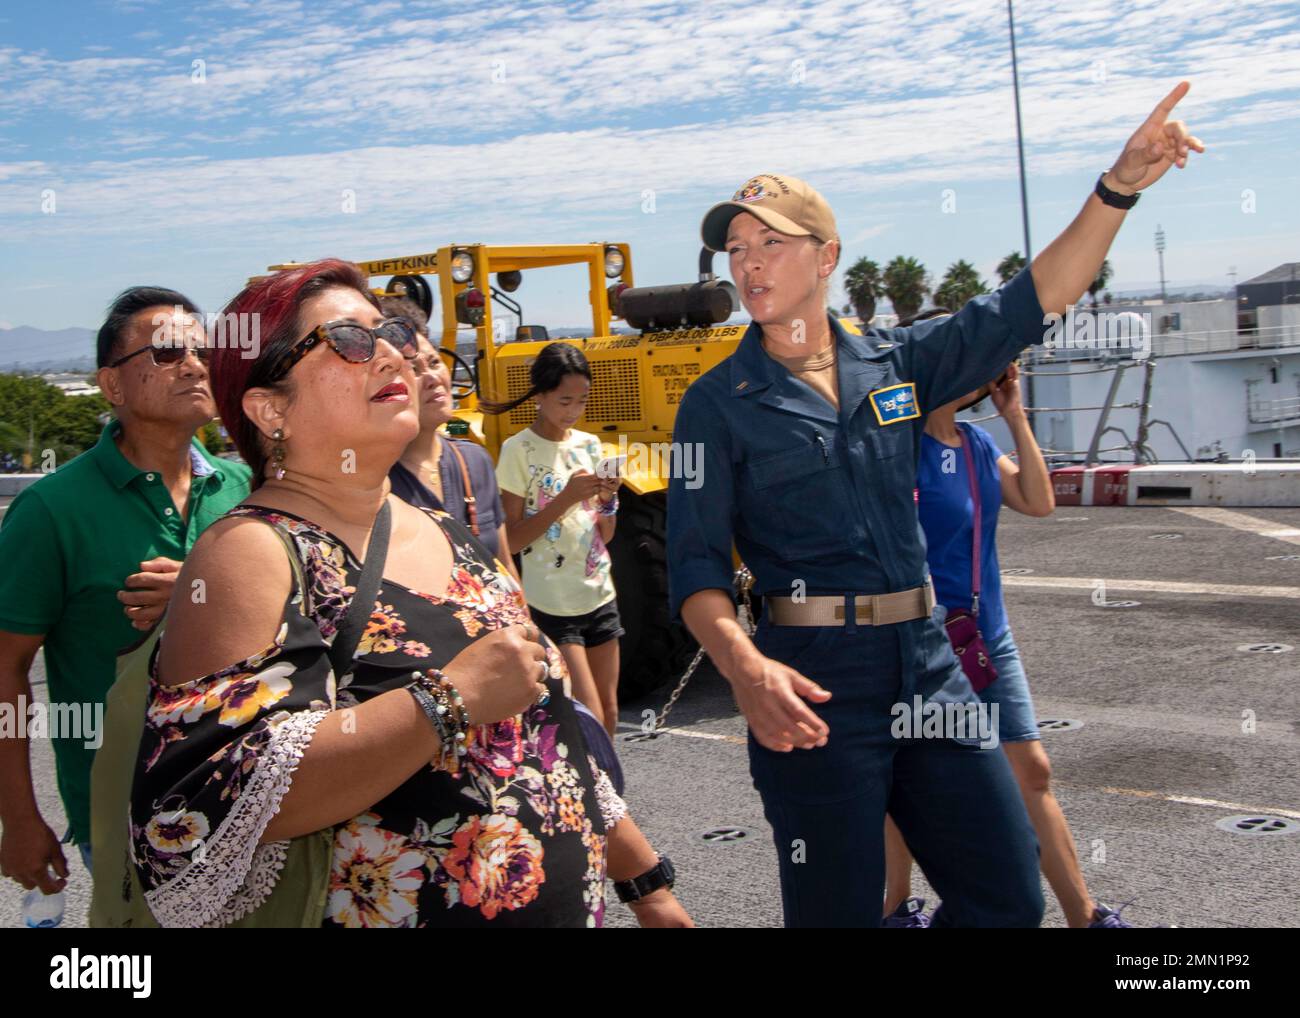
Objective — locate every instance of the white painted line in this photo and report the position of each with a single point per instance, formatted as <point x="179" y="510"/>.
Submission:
<point x="1241" y="521"/>
<point x="1191" y="800"/>
<point x="1151" y="586"/>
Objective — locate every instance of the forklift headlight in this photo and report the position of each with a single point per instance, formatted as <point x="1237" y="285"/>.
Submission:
<point x="614" y="262"/>
<point x="462" y="266"/>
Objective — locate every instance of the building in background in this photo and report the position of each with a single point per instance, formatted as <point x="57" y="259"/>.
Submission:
<point x="1222" y="377"/>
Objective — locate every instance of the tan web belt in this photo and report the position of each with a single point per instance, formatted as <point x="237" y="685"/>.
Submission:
<point x="869" y="609"/>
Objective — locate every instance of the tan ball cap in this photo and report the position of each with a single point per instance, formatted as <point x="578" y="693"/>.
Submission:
<point x="786" y="204"/>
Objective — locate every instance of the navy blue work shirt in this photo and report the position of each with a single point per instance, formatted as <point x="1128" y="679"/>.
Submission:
<point x="482" y="479"/>
<point x="821" y="497"/>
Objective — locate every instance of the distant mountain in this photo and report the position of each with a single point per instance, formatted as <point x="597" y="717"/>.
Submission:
<point x="26" y="349"/>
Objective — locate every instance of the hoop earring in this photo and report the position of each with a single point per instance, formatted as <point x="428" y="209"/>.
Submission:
<point x="277" y="453"/>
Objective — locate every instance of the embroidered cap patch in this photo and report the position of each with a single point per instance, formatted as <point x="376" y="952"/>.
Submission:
<point x="895" y="403"/>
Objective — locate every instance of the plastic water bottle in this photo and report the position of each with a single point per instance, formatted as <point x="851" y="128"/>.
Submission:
<point x="42" y="911"/>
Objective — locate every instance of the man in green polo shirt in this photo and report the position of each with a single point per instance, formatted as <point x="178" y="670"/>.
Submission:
<point x="89" y="556"/>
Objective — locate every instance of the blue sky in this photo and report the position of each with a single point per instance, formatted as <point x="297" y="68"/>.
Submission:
<point x="515" y="122"/>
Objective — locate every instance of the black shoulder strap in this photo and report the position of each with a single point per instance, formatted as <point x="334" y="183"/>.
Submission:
<point x="363" y="599"/>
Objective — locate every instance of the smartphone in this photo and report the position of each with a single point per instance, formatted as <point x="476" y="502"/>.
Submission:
<point x="611" y="466"/>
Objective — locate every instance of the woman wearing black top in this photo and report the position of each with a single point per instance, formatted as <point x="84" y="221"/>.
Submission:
<point x="437" y="472"/>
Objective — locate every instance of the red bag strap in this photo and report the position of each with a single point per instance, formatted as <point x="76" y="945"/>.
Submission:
<point x="975" y="501"/>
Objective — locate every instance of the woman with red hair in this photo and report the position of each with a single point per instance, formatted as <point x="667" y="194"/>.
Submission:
<point x="455" y="783"/>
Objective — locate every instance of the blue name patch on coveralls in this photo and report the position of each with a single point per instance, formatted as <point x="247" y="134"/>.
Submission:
<point x="895" y="403"/>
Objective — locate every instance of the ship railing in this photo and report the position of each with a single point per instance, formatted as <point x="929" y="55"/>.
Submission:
<point x="1138" y="446"/>
<point x="1170" y="343"/>
<point x="1273" y="411"/>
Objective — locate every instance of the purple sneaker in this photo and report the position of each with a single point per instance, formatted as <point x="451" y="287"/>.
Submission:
<point x="909" y="915"/>
<point x="1104" y="918"/>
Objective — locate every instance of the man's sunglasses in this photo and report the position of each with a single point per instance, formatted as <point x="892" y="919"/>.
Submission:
<point x="354" y="343"/>
<point x="167" y="354"/>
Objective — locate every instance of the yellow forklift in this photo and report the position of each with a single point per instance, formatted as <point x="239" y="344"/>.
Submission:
<point x="638" y="377"/>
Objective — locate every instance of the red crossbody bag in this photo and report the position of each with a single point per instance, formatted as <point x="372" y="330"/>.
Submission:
<point x="963" y="625"/>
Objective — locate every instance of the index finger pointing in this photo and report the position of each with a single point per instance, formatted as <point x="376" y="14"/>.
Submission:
<point x="1167" y="104"/>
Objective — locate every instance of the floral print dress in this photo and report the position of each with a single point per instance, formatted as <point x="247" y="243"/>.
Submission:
<point x="515" y="838"/>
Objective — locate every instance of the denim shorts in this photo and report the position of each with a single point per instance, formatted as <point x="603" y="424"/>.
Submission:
<point x="1010" y="691"/>
<point x="589" y="630"/>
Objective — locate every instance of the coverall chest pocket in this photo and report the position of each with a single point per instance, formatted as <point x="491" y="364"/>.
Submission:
<point x="801" y="499"/>
<point x="889" y="440"/>
<point x="894" y="478"/>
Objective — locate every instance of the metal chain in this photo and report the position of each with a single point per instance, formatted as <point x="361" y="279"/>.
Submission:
<point x="742" y="582"/>
<point x="681" y="686"/>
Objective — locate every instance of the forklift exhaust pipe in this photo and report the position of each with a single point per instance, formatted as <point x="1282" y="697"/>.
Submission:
<point x="702" y="304"/>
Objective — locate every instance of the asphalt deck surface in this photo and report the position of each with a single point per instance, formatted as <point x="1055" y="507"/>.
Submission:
<point x="1161" y="690"/>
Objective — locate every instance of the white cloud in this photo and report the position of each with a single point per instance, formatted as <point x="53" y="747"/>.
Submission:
<point x="478" y="72"/>
<point x="598" y="102"/>
<point x="861" y="236"/>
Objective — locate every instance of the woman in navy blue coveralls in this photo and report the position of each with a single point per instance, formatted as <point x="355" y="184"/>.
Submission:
<point x="818" y="500"/>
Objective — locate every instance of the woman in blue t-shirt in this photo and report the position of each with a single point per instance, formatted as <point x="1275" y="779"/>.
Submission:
<point x="947" y="518"/>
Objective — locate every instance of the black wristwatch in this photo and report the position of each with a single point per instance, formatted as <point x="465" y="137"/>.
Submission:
<point x="1113" y="198"/>
<point x="661" y="875"/>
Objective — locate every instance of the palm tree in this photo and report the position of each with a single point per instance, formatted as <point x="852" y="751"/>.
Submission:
<point x="906" y="283"/>
<point x="960" y="283"/>
<point x="863" y="283"/>
<point x="1103" y="277"/>
<point x="1010" y="265"/>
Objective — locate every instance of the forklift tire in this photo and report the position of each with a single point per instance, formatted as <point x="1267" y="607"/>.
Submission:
<point x="654" y="650"/>
<point x="415" y="289"/>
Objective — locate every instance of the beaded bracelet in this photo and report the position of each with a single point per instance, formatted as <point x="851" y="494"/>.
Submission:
<point x="449" y="697"/>
<point x="436" y="710"/>
<point x="445" y="708"/>
<point x="609" y="508"/>
<point x="432" y="710"/>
